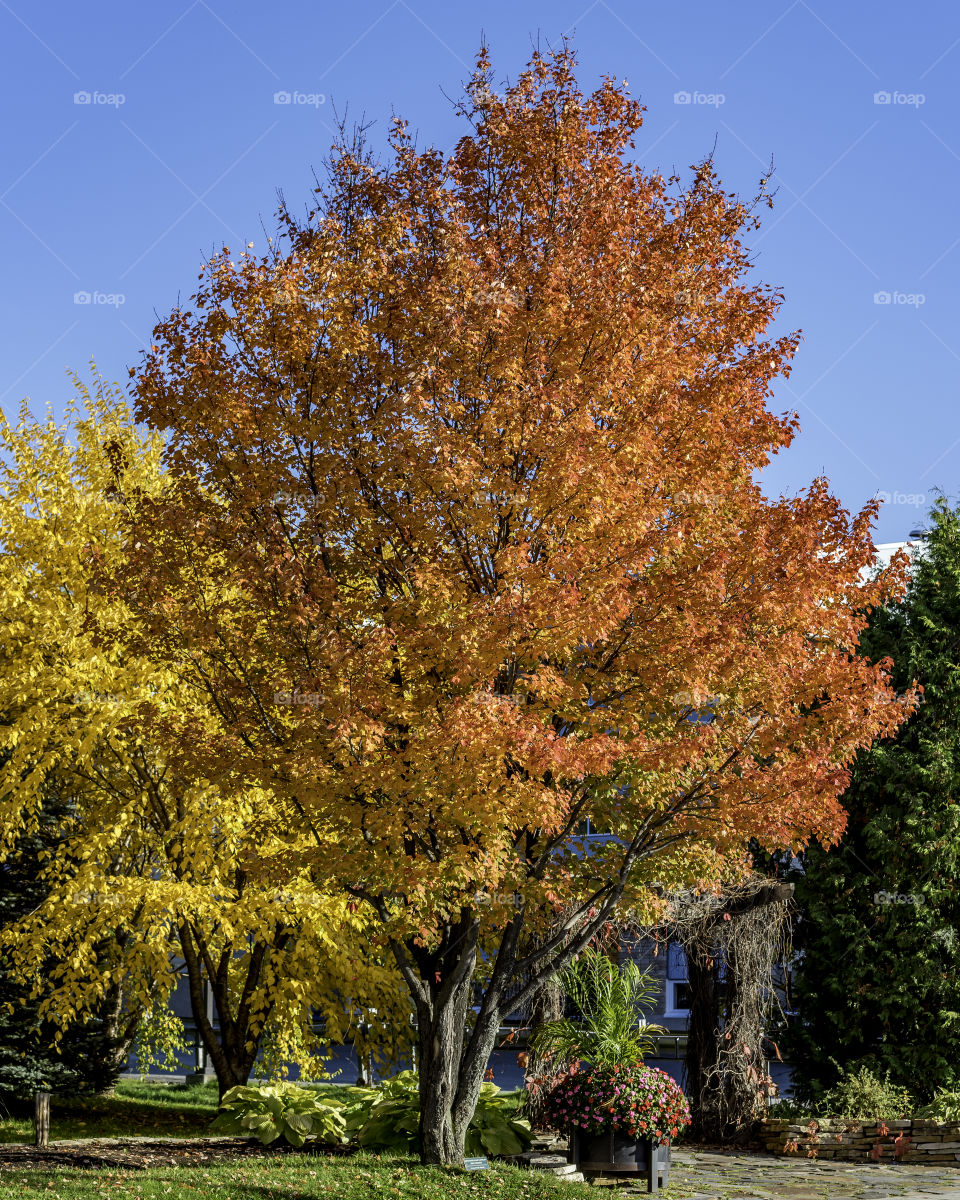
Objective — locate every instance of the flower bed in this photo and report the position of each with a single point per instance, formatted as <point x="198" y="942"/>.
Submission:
<point x="852" y="1140"/>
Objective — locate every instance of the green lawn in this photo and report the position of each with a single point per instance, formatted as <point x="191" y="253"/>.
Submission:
<point x="295" y="1177"/>
<point x="146" y="1109"/>
<point x="175" y="1110"/>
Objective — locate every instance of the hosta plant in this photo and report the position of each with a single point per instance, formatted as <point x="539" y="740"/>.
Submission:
<point x="637" y="1100"/>
<point x="281" y="1110"/>
<point x="388" y="1118"/>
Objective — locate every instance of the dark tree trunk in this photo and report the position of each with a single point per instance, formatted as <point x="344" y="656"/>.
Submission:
<point x="702" y="1036"/>
<point x="546" y="1005"/>
<point x="453" y="1056"/>
<point x="121" y="1029"/>
<point x="233" y="1045"/>
<point x="441" y="1053"/>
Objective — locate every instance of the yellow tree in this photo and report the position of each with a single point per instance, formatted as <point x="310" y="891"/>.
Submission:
<point x="474" y="449"/>
<point x="153" y="875"/>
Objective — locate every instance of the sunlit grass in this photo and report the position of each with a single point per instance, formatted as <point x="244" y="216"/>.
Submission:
<point x="137" y="1109"/>
<point x="294" y="1177"/>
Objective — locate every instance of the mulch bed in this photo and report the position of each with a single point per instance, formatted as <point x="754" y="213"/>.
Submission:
<point x="141" y="1153"/>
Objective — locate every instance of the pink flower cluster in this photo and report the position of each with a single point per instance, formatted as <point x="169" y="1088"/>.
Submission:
<point x="641" y="1101"/>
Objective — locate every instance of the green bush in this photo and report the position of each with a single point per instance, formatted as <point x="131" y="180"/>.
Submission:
<point x="862" y="1094"/>
<point x="388" y="1118"/>
<point x="944" y="1107"/>
<point x="789" y="1110"/>
<point x="281" y="1110"/>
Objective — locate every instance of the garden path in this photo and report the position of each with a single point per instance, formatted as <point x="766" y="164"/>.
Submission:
<point x="696" y="1175"/>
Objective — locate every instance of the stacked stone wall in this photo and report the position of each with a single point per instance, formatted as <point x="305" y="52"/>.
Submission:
<point x="850" y="1140"/>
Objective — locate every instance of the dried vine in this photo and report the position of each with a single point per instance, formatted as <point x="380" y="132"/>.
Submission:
<point x="733" y="942"/>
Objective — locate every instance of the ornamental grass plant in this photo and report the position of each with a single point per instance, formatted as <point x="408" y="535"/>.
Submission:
<point x="600" y="1081"/>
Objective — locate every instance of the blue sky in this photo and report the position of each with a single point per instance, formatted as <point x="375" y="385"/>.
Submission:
<point x="137" y="138"/>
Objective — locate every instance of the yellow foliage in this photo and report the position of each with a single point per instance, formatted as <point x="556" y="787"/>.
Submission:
<point x="156" y="865"/>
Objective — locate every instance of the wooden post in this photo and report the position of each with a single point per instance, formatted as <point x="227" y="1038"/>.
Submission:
<point x="41" y="1117"/>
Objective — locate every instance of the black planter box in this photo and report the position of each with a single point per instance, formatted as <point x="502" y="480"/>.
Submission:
<point x="616" y="1153"/>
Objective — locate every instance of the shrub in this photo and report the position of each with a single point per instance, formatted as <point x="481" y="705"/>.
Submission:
<point x="789" y="1110"/>
<point x="388" y="1118"/>
<point x="863" y="1094"/>
<point x="944" y="1107"/>
<point x="642" y="1101"/>
<point x="281" y="1110"/>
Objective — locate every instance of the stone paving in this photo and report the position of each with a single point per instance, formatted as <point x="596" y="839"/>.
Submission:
<point x="703" y="1176"/>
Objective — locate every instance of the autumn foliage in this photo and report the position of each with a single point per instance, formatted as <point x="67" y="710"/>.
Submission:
<point x="464" y="545"/>
<point x="147" y="878"/>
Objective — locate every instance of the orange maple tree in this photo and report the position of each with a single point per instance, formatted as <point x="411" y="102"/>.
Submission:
<point x="472" y="449"/>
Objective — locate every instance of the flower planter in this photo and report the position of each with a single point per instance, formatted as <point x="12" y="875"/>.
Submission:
<point x="616" y="1153"/>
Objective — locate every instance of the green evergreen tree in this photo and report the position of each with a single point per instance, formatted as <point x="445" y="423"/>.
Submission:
<point x="878" y="983"/>
<point x="91" y="1054"/>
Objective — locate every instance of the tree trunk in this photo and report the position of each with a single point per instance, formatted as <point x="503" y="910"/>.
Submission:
<point x="441" y="1051"/>
<point x="451" y="1075"/>
<point x="121" y="1029"/>
<point x="724" y="1061"/>
<point x="41" y="1118"/>
<point x="473" y="1065"/>
<point x="226" y="1046"/>
<point x="702" y="1035"/>
<point x="451" y="1065"/>
<point x="546" y="1005"/>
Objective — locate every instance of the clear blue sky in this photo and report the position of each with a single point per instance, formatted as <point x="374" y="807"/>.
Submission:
<point x="124" y="199"/>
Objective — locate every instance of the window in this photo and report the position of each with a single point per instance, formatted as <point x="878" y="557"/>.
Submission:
<point x="678" y="987"/>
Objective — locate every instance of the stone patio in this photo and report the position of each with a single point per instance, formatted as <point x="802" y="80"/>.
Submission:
<point x="702" y="1176"/>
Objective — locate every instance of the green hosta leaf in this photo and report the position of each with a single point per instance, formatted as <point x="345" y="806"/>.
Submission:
<point x="282" y="1110"/>
<point x="500" y="1140"/>
<point x="298" y="1121"/>
<point x="293" y="1135"/>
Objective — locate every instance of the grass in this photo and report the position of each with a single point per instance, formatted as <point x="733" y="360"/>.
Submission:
<point x="149" y="1109"/>
<point x="295" y="1177"/>
<point x="137" y="1109"/>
